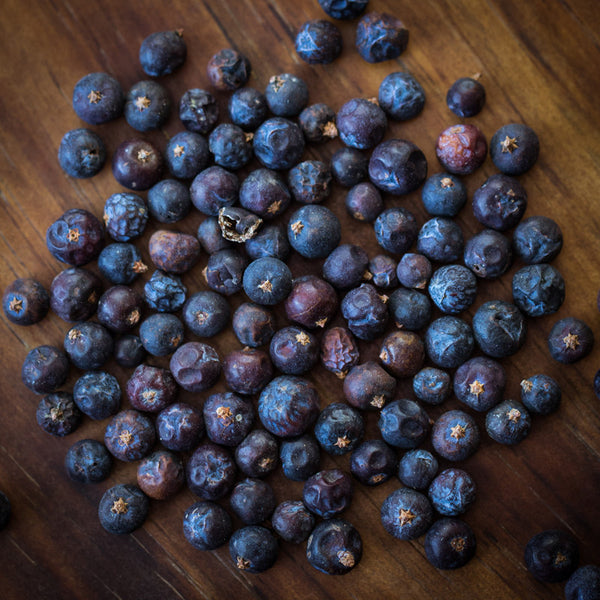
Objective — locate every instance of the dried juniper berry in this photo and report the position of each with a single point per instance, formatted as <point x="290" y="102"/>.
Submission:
<point x="213" y="188"/>
<point x="508" y="423"/>
<point x="238" y="224"/>
<point x="441" y="240"/>
<point x="88" y="345"/>
<point x="328" y="492"/>
<point x="247" y="371"/>
<point x="401" y="96"/>
<point x="397" y="167"/>
<point x="339" y="428"/>
<point x="361" y="123"/>
<point x="373" y="462"/>
<point x="164" y="292"/>
<point x="98" y="98"/>
<point x="228" y="418"/>
<point x="207" y="525"/>
<point x="312" y="302"/>
<point x="382" y="269"/>
<point x="514" y="148"/>
<point x="267" y="281"/>
<point x="345" y="266"/>
<point x="247" y="108"/>
<point x="317" y="122"/>
<point x="88" y="461"/>
<point x="349" y="166"/>
<point x="125" y="216"/>
<point x="443" y="195"/>
<point x="310" y="182"/>
<point x="380" y="37"/>
<point x="130" y="435"/>
<point x="500" y="202"/>
<point x="257" y="454"/>
<point x="224" y="271"/>
<point x="488" y="254"/>
<point x="162" y="52"/>
<point x="403" y="424"/>
<point x="551" y="555"/>
<point x="57" y="414"/>
<point x="271" y="240"/>
<point x="169" y="201"/>
<point x="364" y="202"/>
<point x="344" y="9"/>
<point x="186" y="154"/>
<point x="121" y="263"/>
<point x="210" y="471"/>
<point x="538" y="290"/>
<point x="198" y="111"/>
<point x="402" y="353"/>
<point x="432" y="385"/>
<point x="293" y="350"/>
<point x="265" y="193"/>
<point x="147" y="106"/>
<point x="455" y="435"/>
<point x="81" y="153"/>
<point x="253" y="549"/>
<point x="365" y="311"/>
<point x="137" y="164"/>
<point x="406" y="514"/>
<point x="253" y="501"/>
<point x="5" y="510"/>
<point x="230" y="146"/>
<point x="480" y="383"/>
<point x="253" y="325"/>
<point x="161" y="334"/>
<point x="453" y="288"/>
<point x="74" y="294"/>
<point x="449" y="544"/>
<point x="417" y="468"/>
<point x="449" y="342"/>
<point x="570" y="340"/>
<point x="452" y="492"/>
<point x="97" y="394"/>
<point x="300" y="457"/>
<point x="173" y="251"/>
<point x="160" y="475"/>
<point x="288" y="406"/>
<point x="195" y="366"/>
<point x="292" y="521"/>
<point x="318" y="42"/>
<point x="76" y="237"/>
<point x="123" y="508"/>
<point x="286" y="95"/>
<point x="461" y="149"/>
<point x="278" y="143"/>
<point x="396" y="229"/>
<point x="180" y="426"/>
<point x="339" y="351"/>
<point x="206" y="313"/>
<point x="537" y="240"/>
<point x="129" y="351"/>
<point x="210" y="236"/>
<point x="25" y="301"/>
<point x="228" y="69"/>
<point x="334" y="547"/>
<point x="314" y="231"/>
<point x="414" y="271"/>
<point x="466" y="97"/>
<point x="151" y="389"/>
<point x="540" y="394"/>
<point x="119" y="308"/>
<point x="499" y="328"/>
<point x="409" y="309"/>
<point x="583" y="584"/>
<point x="369" y="386"/>
<point x="45" y="369"/>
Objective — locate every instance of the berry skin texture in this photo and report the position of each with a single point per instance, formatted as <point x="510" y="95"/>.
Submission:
<point x="164" y="292"/>
<point x="361" y="123"/>
<point x="466" y="97"/>
<point x="292" y="521"/>
<point x="206" y="313"/>
<point x="123" y="508"/>
<point x="253" y="549"/>
<point x="287" y="95"/>
<point x="414" y="271"/>
<point x="74" y="294"/>
<point x="230" y="146"/>
<point x="151" y="389"/>
<point x="310" y="182"/>
<point x="258" y="454"/>
<point x="224" y="272"/>
<point x="213" y="188"/>
<point x="210" y="471"/>
<point x="406" y="514"/>
<point x="461" y="149"/>
<point x="500" y="202"/>
<point x="247" y="108"/>
<point x="173" y="252"/>
<point x="162" y="52"/>
<point x="137" y="164"/>
<point x="402" y="353"/>
<point x="125" y="216"/>
<point x="130" y="435"/>
<point x="455" y="435"/>
<point x="537" y="240"/>
<point x="75" y="238"/>
<point x="253" y="501"/>
<point x="538" y="290"/>
<point x="228" y="69"/>
<point x="480" y="383"/>
<point x="508" y="422"/>
<point x="57" y="414"/>
<point x="81" y="153"/>
<point x="403" y="424"/>
<point x="584" y="584"/>
<point x="345" y="266"/>
<point x="365" y="312"/>
<point x="450" y="544"/>
<point x="432" y="385"/>
<point x="180" y="426"/>
<point x="349" y="166"/>
<point x="119" y="308"/>
<point x="312" y="302"/>
<point x="368" y="386"/>
<point x="410" y="309"/>
<point x="551" y="555"/>
<point x="339" y="351"/>
<point x="195" y="366"/>
<point x="499" y="328"/>
<point x="540" y="394"/>
<point x="300" y="457"/>
<point x="488" y="254"/>
<point x="88" y="345"/>
<point x="318" y="42"/>
<point x="373" y="462"/>
<point x="345" y="9"/>
<point x="453" y="288"/>
<point x="186" y="154"/>
<point x="198" y="111"/>
<point x="441" y="240"/>
<point x="265" y="193"/>
<point x="514" y="148"/>
<point x="129" y="351"/>
<point x="452" y="492"/>
<point x="570" y="340"/>
<point x="339" y="428"/>
<point x="207" y="525"/>
<point x="97" y="394"/>
<point x="314" y="231"/>
<point x="227" y="418"/>
<point x="334" y="547"/>
<point x="160" y="475"/>
<point x="444" y="195"/>
<point x="383" y="270"/>
<point x="449" y="342"/>
<point x="161" y="334"/>
<point x="328" y="493"/>
<point x="380" y="37"/>
<point x="364" y="202"/>
<point x="169" y="201"/>
<point x="45" y="369"/>
<point x="417" y="468"/>
<point x="88" y="461"/>
<point x="267" y="281"/>
<point x="98" y="98"/>
<point x="121" y="263"/>
<point x="147" y="106"/>
<point x="293" y="350"/>
<point x="278" y="143"/>
<point x="253" y="325"/>
<point x="318" y="123"/>
<point x="401" y="96"/>
<point x="25" y="301"/>
<point x="396" y="229"/>
<point x="397" y="167"/>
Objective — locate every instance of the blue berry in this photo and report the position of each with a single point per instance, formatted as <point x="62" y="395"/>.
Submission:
<point x="214" y="188"/>
<point x="310" y="182"/>
<point x="98" y="98"/>
<point x="147" y="106"/>
<point x="207" y="525"/>
<point x="88" y="461"/>
<point x="396" y="229"/>
<point x="449" y="342"/>
<point x="161" y="334"/>
<point x="162" y="52"/>
<point x="508" y="423"/>
<point x="364" y="202"/>
<point x="500" y="202"/>
<point x="318" y="42"/>
<point x="97" y="394"/>
<point x="406" y="514"/>
<point x="401" y="96"/>
<point x="410" y="309"/>
<point x="417" y="469"/>
<point x="414" y="271"/>
<point x="345" y="266"/>
<point x="180" y="426"/>
<point x="317" y="122"/>
<point x="125" y="216"/>
<point x="314" y="231"/>
<point x="540" y="394"/>
<point x="432" y="385"/>
<point x="267" y="281"/>
<point x="455" y="435"/>
<point x="403" y="424"/>
<point x="210" y="236"/>
<point x="286" y="95"/>
<point x="480" y="383"/>
<point x="466" y="97"/>
<point x="57" y="414"/>
<point x="373" y="462"/>
<point x="210" y="471"/>
<point x="89" y="345"/>
<point x="206" y="313"/>
<point x="230" y="146"/>
<point x="121" y="263"/>
<point x="365" y="311"/>
<point x="444" y="195"/>
<point x="537" y="240"/>
<point x="361" y="123"/>
<point x="397" y="167"/>
<point x="169" y="201"/>
<point x="225" y="271"/>
<point x="129" y="351"/>
<point x="538" y="290"/>
<point x="130" y="435"/>
<point x="81" y="153"/>
<point x="253" y="501"/>
<point x="25" y="301"/>
<point x="278" y="143"/>
<point x="247" y="108"/>
<point x="584" y="584"/>
<point x="198" y="111"/>
<point x="334" y="547"/>
<point x="488" y="254"/>
<point x="450" y="543"/>
<point x="339" y="428"/>
<point x="164" y="292"/>
<point x="270" y="241"/>
<point x="253" y="325"/>
<point x="292" y="521"/>
<point x="186" y="154"/>
<point x="265" y="193"/>
<point x="514" y="148"/>
<point x="380" y="37"/>
<point x="452" y="492"/>
<point x="349" y="166"/>
<point x="253" y="549"/>
<point x="328" y="492"/>
<point x="570" y="340"/>
<point x="453" y="288"/>
<point x="300" y="457"/>
<point x="258" y="453"/>
<point x="45" y="369"/>
<point x="228" y="418"/>
<point x="228" y="69"/>
<point x="441" y="240"/>
<point x="499" y="328"/>
<point x="344" y="9"/>
<point x="123" y="508"/>
<point x="195" y="366"/>
<point x="383" y="272"/>
<point x="294" y="351"/>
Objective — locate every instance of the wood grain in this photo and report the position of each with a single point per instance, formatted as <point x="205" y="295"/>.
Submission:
<point x="539" y="63"/>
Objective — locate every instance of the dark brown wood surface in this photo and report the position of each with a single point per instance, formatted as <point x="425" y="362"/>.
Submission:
<point x="539" y="61"/>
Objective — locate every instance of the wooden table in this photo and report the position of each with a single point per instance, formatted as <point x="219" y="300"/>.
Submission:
<point x="539" y="63"/>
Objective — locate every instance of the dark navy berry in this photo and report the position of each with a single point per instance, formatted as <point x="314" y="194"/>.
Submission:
<point x="403" y="424"/>
<point x="551" y="555"/>
<point x="406" y="514"/>
<point x="466" y="97"/>
<point x="147" y="106"/>
<point x="267" y="281"/>
<point x="198" y="111"/>
<point x="570" y="340"/>
<point x="207" y="525"/>
<point x="292" y="521"/>
<point x="253" y="325"/>
<point x="164" y="292"/>
<point x="195" y="366"/>
<point x="540" y="394"/>
<point x="253" y="549"/>
<point x="214" y="188"/>
<point x="396" y="229"/>
<point x="253" y="501"/>
<point x="364" y="202"/>
<point x="328" y="492"/>
<point x="449" y="342"/>
<point x="88" y="461"/>
<point x="169" y="201"/>
<point x="89" y="345"/>
<point x="278" y="143"/>
<point x="317" y="122"/>
<point x="417" y="468"/>
<point x="294" y="351"/>
<point x="453" y="288"/>
<point x="228" y="69"/>
<point x="81" y="153"/>
<point x="369" y="386"/>
<point x="346" y="266"/>
<point x="210" y="236"/>
<point x="432" y="385"/>
<point x="137" y="164"/>
<point x="365" y="311"/>
<point x="206" y="313"/>
<point x="210" y="471"/>
<point x="334" y="547"/>
<point x="286" y="95"/>
<point x="380" y="37"/>
<point x="121" y="263"/>
<point x="98" y="98"/>
<point x="444" y="195"/>
<point x="57" y="414"/>
<point x="123" y="508"/>
<point x="270" y="241"/>
<point x="441" y="240"/>
<point x="186" y="154"/>
<point x="247" y="108"/>
<point x="455" y="435"/>
<point x="401" y="96"/>
<point x="318" y="42"/>
<point x="499" y="328"/>
<point x="514" y="148"/>
<point x="361" y="123"/>
<point x="130" y="435"/>
<point x="45" y="369"/>
<point x="449" y="544"/>
<point x="480" y="383"/>
<point x="414" y="271"/>
<point x="349" y="166"/>
<point x="461" y="149"/>
<point x="300" y="457"/>
<point x="373" y="462"/>
<point x="180" y="426"/>
<point x="339" y="428"/>
<point x="225" y="271"/>
<point x="409" y="309"/>
<point x="488" y="254"/>
<point x="310" y="182"/>
<point x="25" y="301"/>
<point x="508" y="423"/>
<point x="257" y="455"/>
<point x="74" y="294"/>
<point x="129" y="351"/>
<point x="314" y="231"/>
<point x="537" y="240"/>
<point x="452" y="492"/>
<point x="97" y="394"/>
<point x="500" y="202"/>
<point x="538" y="290"/>
<point x="344" y="9"/>
<point x="230" y="146"/>
<point x="584" y="584"/>
<point x="397" y="167"/>
<point x="162" y="52"/>
<point x="383" y="272"/>
<point x="161" y="334"/>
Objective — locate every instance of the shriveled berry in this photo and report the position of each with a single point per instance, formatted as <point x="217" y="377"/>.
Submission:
<point x="499" y="328"/>
<point x="160" y="475"/>
<point x="45" y="369"/>
<point x="417" y="468"/>
<point x="382" y="269"/>
<point x="339" y="351"/>
<point x="334" y="547"/>
<point x="165" y="292"/>
<point x="328" y="493"/>
<point x="488" y="254"/>
<point x="230" y="146"/>
<point x="97" y="394"/>
<point x="500" y="202"/>
<point x="538" y="290"/>
<point x="293" y="350"/>
<point x="452" y="492"/>
<point x="74" y="294"/>
<point x="180" y="426"/>
<point x="213" y="188"/>
<point x="537" y="240"/>
<point x="461" y="149"/>
<point x="278" y="143"/>
<point x="449" y="342"/>
<point x="228" y="69"/>
<point x="228" y="418"/>
<point x="310" y="182"/>
<point x="198" y="110"/>
<point x="403" y="424"/>
<point x="247" y="108"/>
<point x="292" y="521"/>
<point x="207" y="525"/>
<point x="432" y="385"/>
<point x="318" y="42"/>
<point x="210" y="471"/>
<point x="318" y="123"/>
<point x="195" y="366"/>
<point x="396" y="229"/>
<point x="401" y="96"/>
<point x="365" y="311"/>
<point x="224" y="271"/>
<point x="57" y="414"/>
<point x="373" y="462"/>
<point x="344" y="9"/>
<point x="380" y="37"/>
<point x="173" y="252"/>
<point x="397" y="167"/>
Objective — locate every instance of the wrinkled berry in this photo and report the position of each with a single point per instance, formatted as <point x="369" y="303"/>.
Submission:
<point x="403" y="424"/>
<point x="228" y="69"/>
<point x="195" y="366"/>
<point x="380" y="37"/>
<point x="57" y="414"/>
<point x="461" y="149"/>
